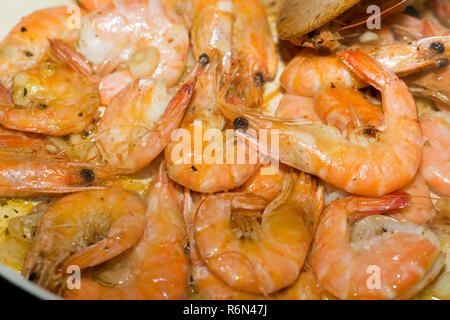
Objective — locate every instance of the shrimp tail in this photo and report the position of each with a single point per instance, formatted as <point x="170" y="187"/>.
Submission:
<point x="73" y="58"/>
<point x="179" y="103"/>
<point x="364" y="206"/>
<point x="117" y="242"/>
<point x="367" y="68"/>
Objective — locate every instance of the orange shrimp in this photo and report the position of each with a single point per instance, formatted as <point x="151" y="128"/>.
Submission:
<point x="131" y="143"/>
<point x="50" y="99"/>
<point x="27" y="44"/>
<point x="400" y="258"/>
<point x="205" y="284"/>
<point x="157" y="267"/>
<point x="20" y="177"/>
<point x="374" y="163"/>
<point x="212" y="29"/>
<point x="210" y="169"/>
<point x="309" y="71"/>
<point x="28" y="145"/>
<point x="252" y="39"/>
<point x="346" y="109"/>
<point x="435" y="166"/>
<point x="83" y="229"/>
<point x="110" y="38"/>
<point x="259" y="257"/>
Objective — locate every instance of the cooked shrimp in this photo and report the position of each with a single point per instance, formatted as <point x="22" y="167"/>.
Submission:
<point x="83" y="229"/>
<point x="404" y="256"/>
<point x="27" y="44"/>
<point x="21" y="177"/>
<point x="254" y="252"/>
<point x="28" y="145"/>
<point x="134" y="31"/>
<point x="210" y="169"/>
<point x="252" y="39"/>
<point x="205" y="284"/>
<point x="51" y="100"/>
<point x="132" y="142"/>
<point x="435" y="166"/>
<point x="157" y="266"/>
<point x="346" y="109"/>
<point x="309" y="71"/>
<point x="212" y="29"/>
<point x="374" y="163"/>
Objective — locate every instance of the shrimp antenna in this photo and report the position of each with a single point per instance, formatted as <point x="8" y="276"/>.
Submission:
<point x="376" y="16"/>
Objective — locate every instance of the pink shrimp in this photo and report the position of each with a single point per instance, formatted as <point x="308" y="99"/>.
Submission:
<point x="26" y="45"/>
<point x="131" y="143"/>
<point x="258" y="257"/>
<point x="405" y="256"/>
<point x="379" y="163"/>
<point x="83" y="229"/>
<point x="156" y="267"/>
<point x="309" y="71"/>
<point x="138" y="32"/>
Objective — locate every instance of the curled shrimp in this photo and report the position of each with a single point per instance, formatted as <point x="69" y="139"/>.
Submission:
<point x="309" y="71"/>
<point x="50" y="99"/>
<point x="110" y="38"/>
<point x="372" y="164"/>
<point x="208" y="170"/>
<point x="435" y="166"/>
<point x="131" y="143"/>
<point x="405" y="256"/>
<point x="156" y="267"/>
<point x="205" y="284"/>
<point x="259" y="256"/>
<point x="27" y="44"/>
<point x="83" y="229"/>
<point x="346" y="108"/>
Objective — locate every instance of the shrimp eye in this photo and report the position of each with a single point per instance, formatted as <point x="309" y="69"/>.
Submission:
<point x="312" y="34"/>
<point x="88" y="175"/>
<point x="370" y="131"/>
<point x="204" y="59"/>
<point x="259" y="79"/>
<point x="438" y="46"/>
<point x="442" y="63"/>
<point x="240" y="123"/>
<point x="412" y="11"/>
